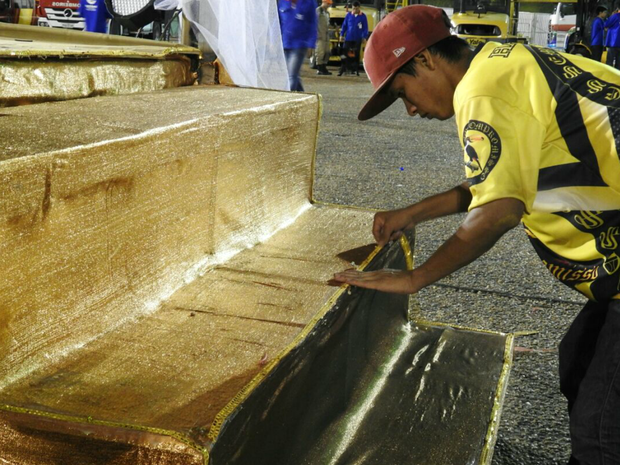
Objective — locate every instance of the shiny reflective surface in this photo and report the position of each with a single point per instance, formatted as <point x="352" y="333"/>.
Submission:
<point x="45" y="64"/>
<point x="163" y="287"/>
<point x="370" y="387"/>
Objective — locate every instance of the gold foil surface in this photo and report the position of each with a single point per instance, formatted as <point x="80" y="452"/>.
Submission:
<point x="366" y="385"/>
<point x="128" y="297"/>
<point x="44" y="64"/>
<point x="21" y="445"/>
<point x="161" y="265"/>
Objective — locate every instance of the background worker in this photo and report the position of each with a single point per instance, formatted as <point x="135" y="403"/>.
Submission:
<point x="342" y="53"/>
<point x="597" y="32"/>
<point x="322" y="52"/>
<point x="539" y="133"/>
<point x="298" y="27"/>
<point x="612" y="40"/>
<point x="355" y="31"/>
<point x="95" y="14"/>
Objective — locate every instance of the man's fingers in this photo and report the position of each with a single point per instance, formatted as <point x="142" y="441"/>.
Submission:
<point x="349" y="276"/>
<point x="396" y="235"/>
<point x="377" y="230"/>
<point x="380" y="232"/>
<point x="385" y="280"/>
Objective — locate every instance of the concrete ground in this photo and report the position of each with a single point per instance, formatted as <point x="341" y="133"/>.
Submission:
<point x="394" y="160"/>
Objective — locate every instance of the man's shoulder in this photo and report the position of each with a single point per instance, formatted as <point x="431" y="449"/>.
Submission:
<point x="494" y="69"/>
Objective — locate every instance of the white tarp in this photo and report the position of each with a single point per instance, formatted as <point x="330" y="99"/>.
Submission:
<point x="245" y="36"/>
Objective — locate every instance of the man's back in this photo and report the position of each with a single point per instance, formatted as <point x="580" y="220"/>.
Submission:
<point x="541" y="127"/>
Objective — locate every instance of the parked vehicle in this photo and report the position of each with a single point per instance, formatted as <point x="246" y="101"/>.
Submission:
<point x="16" y="13"/>
<point x="59" y="13"/>
<point x="574" y="17"/>
<point x="480" y="21"/>
<point x="562" y="20"/>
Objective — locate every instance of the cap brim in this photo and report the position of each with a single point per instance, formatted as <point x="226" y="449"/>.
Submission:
<point x="379" y="101"/>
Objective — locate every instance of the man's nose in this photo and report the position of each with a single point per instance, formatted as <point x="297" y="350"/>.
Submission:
<point x="412" y="110"/>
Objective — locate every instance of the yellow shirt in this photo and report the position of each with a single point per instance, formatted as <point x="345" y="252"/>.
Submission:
<point x="544" y="127"/>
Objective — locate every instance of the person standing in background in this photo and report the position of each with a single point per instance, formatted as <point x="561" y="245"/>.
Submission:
<point x="298" y="24"/>
<point x="342" y="53"/>
<point x="612" y="41"/>
<point x="597" y="33"/>
<point x="95" y="15"/>
<point x="321" y="54"/>
<point x="355" y="31"/>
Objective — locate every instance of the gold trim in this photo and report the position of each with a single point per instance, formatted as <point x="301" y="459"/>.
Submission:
<point x="465" y="328"/>
<point x="524" y="333"/>
<point x="500" y="392"/>
<point x="92" y="421"/>
<point x="244" y="393"/>
<point x="406" y="246"/>
<point x="316" y="144"/>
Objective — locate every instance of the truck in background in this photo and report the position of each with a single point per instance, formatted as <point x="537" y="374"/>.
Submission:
<point x="59" y="14"/>
<point x="562" y="20"/>
<point x="17" y="13"/>
<point x="574" y="17"/>
<point x="480" y="21"/>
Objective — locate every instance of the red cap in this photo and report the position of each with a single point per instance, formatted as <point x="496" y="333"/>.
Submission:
<point x="397" y="38"/>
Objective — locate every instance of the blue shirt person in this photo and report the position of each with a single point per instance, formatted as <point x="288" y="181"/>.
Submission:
<point x="355" y="30"/>
<point x="612" y="41"/>
<point x="95" y="15"/>
<point x="298" y="24"/>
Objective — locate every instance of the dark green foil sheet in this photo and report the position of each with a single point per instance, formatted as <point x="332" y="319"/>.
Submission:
<point x="368" y="387"/>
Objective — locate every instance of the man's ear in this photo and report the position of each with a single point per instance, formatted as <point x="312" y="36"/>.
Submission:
<point x="426" y="59"/>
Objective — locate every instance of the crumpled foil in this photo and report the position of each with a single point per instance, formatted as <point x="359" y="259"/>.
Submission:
<point x="44" y="64"/>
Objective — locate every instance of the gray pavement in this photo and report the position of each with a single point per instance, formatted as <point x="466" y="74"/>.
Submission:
<point x="394" y="160"/>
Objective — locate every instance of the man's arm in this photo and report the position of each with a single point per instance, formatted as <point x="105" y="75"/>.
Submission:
<point x="389" y="225"/>
<point x="480" y="230"/>
<point x="365" y="28"/>
<point x="344" y="27"/>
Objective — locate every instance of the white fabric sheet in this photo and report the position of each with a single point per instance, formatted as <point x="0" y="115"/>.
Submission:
<point x="245" y="36"/>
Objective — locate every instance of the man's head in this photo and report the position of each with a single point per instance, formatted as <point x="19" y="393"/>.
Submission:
<point x="356" y="8"/>
<point x="326" y="4"/>
<point x="412" y="55"/>
<point x="601" y="12"/>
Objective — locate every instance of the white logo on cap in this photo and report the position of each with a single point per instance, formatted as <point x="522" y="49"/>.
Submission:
<point x="399" y="51"/>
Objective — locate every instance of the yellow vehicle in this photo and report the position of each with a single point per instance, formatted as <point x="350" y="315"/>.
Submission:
<point x="480" y="21"/>
<point x="17" y="13"/>
<point x="374" y="10"/>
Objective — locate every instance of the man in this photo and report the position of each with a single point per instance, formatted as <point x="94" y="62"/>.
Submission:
<point x="612" y="40"/>
<point x="597" y="33"/>
<point x="321" y="56"/>
<point x="540" y="131"/>
<point x="298" y="27"/>
<point x="95" y="14"/>
<point x="354" y="30"/>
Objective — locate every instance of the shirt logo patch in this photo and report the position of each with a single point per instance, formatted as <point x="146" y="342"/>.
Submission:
<point x="502" y="50"/>
<point x="483" y="147"/>
<point x="399" y="51"/>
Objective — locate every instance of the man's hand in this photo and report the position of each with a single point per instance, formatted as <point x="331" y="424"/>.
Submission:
<point x="390" y="225"/>
<point x="386" y="280"/>
<point x="481" y="229"/>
